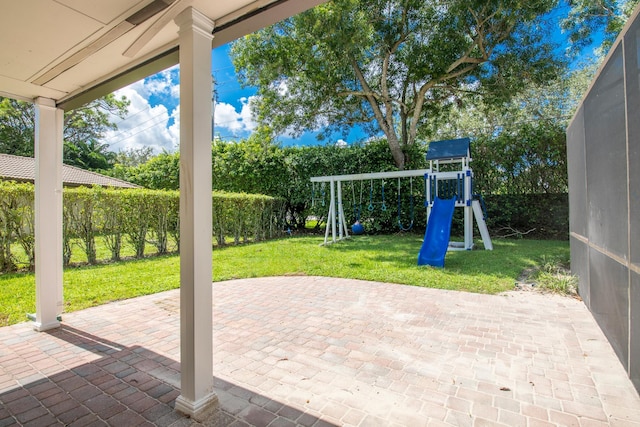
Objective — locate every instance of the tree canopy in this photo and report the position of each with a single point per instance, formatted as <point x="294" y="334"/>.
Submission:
<point x="83" y="129"/>
<point x="587" y="18"/>
<point x="389" y="65"/>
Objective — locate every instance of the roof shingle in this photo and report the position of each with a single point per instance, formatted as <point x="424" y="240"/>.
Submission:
<point x="23" y="169"/>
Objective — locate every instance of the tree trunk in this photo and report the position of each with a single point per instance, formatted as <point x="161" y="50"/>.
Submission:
<point x="396" y="150"/>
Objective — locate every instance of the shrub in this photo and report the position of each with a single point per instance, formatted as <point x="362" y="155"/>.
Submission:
<point x="141" y="216"/>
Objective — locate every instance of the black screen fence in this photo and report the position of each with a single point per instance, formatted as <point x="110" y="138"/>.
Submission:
<point x="603" y="147"/>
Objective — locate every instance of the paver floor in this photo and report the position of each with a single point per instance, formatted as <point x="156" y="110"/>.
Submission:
<point x="313" y="351"/>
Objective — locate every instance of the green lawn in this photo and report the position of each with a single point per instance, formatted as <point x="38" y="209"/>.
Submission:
<point x="381" y="258"/>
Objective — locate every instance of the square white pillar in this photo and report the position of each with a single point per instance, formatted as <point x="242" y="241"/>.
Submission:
<point x="48" y="213"/>
<point x="197" y="398"/>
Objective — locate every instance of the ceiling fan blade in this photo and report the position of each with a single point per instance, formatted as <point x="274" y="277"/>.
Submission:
<point x="167" y="16"/>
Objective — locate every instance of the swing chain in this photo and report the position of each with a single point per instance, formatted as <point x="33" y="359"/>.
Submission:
<point x="411" y="203"/>
<point x="356" y="208"/>
<point x="370" y="207"/>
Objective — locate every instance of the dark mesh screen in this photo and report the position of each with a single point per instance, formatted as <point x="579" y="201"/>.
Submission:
<point x="580" y="267"/>
<point x="610" y="301"/>
<point x="634" y="367"/>
<point x="576" y="169"/>
<point x="632" y="68"/>
<point x="603" y="149"/>
<point x="606" y="149"/>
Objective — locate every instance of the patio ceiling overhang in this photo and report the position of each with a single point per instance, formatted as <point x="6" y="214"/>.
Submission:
<point x="61" y="54"/>
<point x="74" y="51"/>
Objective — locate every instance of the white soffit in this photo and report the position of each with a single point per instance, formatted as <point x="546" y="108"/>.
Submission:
<point x="76" y="50"/>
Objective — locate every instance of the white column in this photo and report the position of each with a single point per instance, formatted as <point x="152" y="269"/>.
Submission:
<point x="341" y="220"/>
<point x="197" y="398"/>
<point x="48" y="213"/>
<point x="333" y="211"/>
<point x="468" y="210"/>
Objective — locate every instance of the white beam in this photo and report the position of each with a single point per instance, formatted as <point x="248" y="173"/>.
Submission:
<point x="373" y="175"/>
<point x="48" y="213"/>
<point x="197" y="398"/>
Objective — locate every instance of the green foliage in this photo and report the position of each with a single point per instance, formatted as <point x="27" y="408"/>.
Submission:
<point x="131" y="157"/>
<point x="82" y="129"/>
<point x="161" y="172"/>
<point x="589" y="17"/>
<point x="112" y="215"/>
<point x="16" y="127"/>
<point x="531" y="160"/>
<point x="389" y="66"/>
<point x="90" y="155"/>
<point x="542" y="216"/>
<point x="552" y="274"/>
<point x="246" y="217"/>
<point x="94" y="216"/>
<point x="545" y="106"/>
<point x="79" y="206"/>
<point x="521" y="186"/>
<point x="16" y="222"/>
<point x="138" y="207"/>
<point x="251" y="166"/>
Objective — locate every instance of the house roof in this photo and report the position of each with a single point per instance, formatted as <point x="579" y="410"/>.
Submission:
<point x="449" y="149"/>
<point x="74" y="51"/>
<point x="23" y="169"/>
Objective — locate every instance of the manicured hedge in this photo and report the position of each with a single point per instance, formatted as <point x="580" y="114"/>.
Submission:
<point x="133" y="216"/>
<point x="540" y="216"/>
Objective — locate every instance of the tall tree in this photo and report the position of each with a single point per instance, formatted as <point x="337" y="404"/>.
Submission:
<point x="519" y="147"/>
<point x="83" y="129"/>
<point x="387" y="65"/>
<point x="587" y="18"/>
<point x="16" y="127"/>
<point x="552" y="103"/>
<point x="132" y="157"/>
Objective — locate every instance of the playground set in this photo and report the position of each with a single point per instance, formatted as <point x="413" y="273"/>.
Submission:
<point x="444" y="191"/>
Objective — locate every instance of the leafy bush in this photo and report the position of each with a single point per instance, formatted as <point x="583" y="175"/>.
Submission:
<point x="141" y="216"/>
<point x="16" y="222"/>
<point x="522" y="177"/>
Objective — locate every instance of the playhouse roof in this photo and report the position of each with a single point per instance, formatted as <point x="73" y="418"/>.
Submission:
<point x="449" y="149"/>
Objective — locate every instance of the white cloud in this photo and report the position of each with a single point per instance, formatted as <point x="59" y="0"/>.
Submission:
<point x="238" y="123"/>
<point x="174" y="129"/>
<point x="246" y="113"/>
<point x="159" y="126"/>
<point x="341" y="143"/>
<point x="145" y="125"/>
<point x="164" y="83"/>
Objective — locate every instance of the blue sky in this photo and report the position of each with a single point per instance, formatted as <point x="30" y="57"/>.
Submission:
<point x="153" y="118"/>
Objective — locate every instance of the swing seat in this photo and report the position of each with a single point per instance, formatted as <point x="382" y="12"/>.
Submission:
<point x="357" y="228"/>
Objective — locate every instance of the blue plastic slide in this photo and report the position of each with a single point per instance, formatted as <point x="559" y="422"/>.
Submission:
<point x="436" y="238"/>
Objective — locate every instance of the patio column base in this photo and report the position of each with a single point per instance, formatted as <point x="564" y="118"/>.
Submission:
<point x="201" y="410"/>
<point x="41" y="327"/>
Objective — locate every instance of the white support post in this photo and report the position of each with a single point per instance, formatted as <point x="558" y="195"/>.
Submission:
<point x="427" y="192"/>
<point x="482" y="225"/>
<point x="48" y="214"/>
<point x="333" y="211"/>
<point x="341" y="224"/>
<point x="468" y="228"/>
<point x="343" y="219"/>
<point x="197" y="398"/>
<point x="330" y="214"/>
<point x="468" y="210"/>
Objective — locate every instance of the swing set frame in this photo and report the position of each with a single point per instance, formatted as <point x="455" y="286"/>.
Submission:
<point x="336" y="220"/>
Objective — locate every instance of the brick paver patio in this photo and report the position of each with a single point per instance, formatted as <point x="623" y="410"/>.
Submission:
<point x="314" y="351"/>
